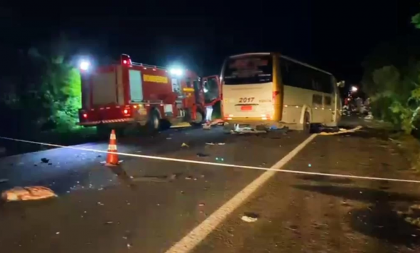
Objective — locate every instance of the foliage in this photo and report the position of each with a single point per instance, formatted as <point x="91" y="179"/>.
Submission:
<point x="44" y="92"/>
<point x="392" y="80"/>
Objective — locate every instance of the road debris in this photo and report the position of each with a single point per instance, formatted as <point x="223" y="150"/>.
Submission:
<point x="45" y="160"/>
<point x="156" y="178"/>
<point x="201" y="204"/>
<point x="250" y="217"/>
<point x="212" y="143"/>
<point x="184" y="145"/>
<point x="101" y="204"/>
<point x="27" y="193"/>
<point x="341" y="131"/>
<point x="248" y="131"/>
<point x="199" y="154"/>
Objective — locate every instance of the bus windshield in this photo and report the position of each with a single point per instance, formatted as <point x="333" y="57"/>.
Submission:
<point x="248" y="70"/>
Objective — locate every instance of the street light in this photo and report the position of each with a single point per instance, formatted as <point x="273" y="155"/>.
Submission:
<point x="354" y="89"/>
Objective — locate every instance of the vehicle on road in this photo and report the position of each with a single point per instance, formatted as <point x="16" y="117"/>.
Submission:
<point x="263" y="90"/>
<point x="129" y="93"/>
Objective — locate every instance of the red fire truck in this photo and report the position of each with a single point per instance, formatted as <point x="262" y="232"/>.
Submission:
<point x="126" y="93"/>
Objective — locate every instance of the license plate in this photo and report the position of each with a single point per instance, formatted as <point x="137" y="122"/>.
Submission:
<point x="246" y="108"/>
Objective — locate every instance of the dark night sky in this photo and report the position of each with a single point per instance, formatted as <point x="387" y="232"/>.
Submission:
<point x="334" y="35"/>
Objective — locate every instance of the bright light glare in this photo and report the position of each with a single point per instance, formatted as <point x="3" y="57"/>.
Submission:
<point x="176" y="71"/>
<point x="84" y="65"/>
<point x="354" y="89"/>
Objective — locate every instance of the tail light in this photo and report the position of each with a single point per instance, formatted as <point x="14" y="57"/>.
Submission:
<point x="84" y="115"/>
<point x="275" y="93"/>
<point x="125" y="111"/>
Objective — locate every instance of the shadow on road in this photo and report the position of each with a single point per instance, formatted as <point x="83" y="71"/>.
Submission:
<point x="359" y="193"/>
<point x="381" y="222"/>
<point x="380" y="219"/>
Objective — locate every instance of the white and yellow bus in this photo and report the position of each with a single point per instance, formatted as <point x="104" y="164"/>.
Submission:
<point x="266" y="89"/>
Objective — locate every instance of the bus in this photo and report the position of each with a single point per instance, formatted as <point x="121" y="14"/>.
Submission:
<point x="270" y="90"/>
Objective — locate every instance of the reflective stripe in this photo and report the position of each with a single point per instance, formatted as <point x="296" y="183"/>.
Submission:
<point x="112" y="137"/>
<point x="112" y="147"/>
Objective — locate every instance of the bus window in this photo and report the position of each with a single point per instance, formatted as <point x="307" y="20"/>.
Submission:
<point x="317" y="100"/>
<point x="248" y="70"/>
<point x="327" y="100"/>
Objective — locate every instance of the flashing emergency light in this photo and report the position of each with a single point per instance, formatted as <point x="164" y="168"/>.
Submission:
<point x="84" y="65"/>
<point x="125" y="59"/>
<point x="176" y="71"/>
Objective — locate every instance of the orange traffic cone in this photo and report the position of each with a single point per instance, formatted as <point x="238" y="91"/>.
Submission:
<point x="112" y="157"/>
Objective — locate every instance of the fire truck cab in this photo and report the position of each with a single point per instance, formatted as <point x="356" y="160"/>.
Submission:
<point x="139" y="94"/>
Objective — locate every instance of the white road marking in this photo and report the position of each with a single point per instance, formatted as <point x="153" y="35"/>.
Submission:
<point x="192" y="239"/>
<point x="219" y="164"/>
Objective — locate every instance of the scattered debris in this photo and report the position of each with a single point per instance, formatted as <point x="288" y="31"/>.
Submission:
<point x="369" y="116"/>
<point x="184" y="145"/>
<point x="155" y="178"/>
<point x="109" y="222"/>
<point x="341" y="131"/>
<point x="188" y="178"/>
<point x="248" y="131"/>
<point x="100" y="203"/>
<point x="212" y="143"/>
<point x="45" y="160"/>
<point x="199" y="154"/>
<point x="27" y="193"/>
<point x="201" y="205"/>
<point x="250" y="217"/>
<point x="220" y="159"/>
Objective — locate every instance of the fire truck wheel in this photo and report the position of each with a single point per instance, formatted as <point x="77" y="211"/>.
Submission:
<point x="154" y="121"/>
<point x="199" y="117"/>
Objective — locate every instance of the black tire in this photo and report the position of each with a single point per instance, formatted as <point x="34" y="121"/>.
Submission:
<point x="153" y="124"/>
<point x="199" y="119"/>
<point x="307" y="126"/>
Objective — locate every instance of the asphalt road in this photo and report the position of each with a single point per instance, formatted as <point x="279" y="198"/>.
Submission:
<point x="148" y="205"/>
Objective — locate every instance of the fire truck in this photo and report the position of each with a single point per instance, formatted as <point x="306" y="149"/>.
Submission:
<point x="130" y="93"/>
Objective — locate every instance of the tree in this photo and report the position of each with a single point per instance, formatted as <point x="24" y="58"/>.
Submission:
<point x="392" y="80"/>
